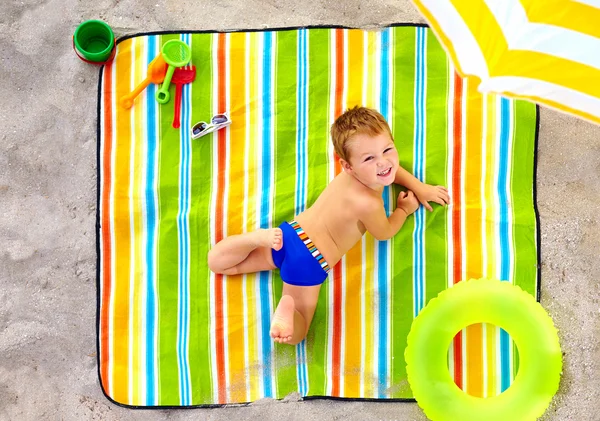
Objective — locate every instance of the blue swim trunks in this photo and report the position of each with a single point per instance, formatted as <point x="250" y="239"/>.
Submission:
<point x="299" y="261"/>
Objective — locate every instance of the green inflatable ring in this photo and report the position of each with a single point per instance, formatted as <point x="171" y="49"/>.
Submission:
<point x="483" y="301"/>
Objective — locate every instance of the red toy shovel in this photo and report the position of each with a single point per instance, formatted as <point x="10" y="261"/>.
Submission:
<point x="181" y="76"/>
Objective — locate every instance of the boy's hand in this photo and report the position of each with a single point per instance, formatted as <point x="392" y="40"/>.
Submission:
<point x="428" y="193"/>
<point x="408" y="202"/>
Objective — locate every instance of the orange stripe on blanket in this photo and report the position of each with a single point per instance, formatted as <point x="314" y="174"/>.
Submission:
<point x="456" y="211"/>
<point x="219" y="299"/>
<point x="107" y="130"/>
<point x="337" y="270"/>
<point x="339" y="82"/>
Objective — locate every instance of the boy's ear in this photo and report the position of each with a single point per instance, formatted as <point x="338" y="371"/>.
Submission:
<point x="345" y="165"/>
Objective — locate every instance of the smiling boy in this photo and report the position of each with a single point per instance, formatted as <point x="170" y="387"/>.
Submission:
<point x="306" y="248"/>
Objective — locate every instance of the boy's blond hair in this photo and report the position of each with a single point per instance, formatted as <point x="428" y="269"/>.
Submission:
<point x="357" y="120"/>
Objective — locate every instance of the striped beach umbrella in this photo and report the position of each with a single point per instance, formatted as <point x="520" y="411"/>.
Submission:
<point x="546" y="51"/>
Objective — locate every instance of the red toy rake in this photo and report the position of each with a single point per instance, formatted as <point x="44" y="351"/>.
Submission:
<point x="181" y="76"/>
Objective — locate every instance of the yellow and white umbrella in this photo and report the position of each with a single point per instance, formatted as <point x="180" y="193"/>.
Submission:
<point x="547" y="51"/>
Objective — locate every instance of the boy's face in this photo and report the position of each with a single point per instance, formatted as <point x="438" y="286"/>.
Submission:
<point x="373" y="160"/>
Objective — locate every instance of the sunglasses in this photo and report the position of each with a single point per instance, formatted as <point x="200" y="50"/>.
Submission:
<point x="217" y="122"/>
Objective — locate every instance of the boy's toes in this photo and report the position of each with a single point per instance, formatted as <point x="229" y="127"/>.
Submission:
<point x="277" y="239"/>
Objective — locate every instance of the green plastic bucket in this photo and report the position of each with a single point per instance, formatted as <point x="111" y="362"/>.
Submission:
<point x="94" y="41"/>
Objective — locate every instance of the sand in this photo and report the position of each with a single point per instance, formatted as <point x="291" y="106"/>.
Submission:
<point x="48" y="366"/>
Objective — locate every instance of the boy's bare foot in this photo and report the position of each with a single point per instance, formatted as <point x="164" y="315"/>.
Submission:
<point x="282" y="326"/>
<point x="272" y="237"/>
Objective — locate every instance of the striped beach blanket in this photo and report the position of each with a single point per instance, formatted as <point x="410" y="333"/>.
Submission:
<point x="172" y="333"/>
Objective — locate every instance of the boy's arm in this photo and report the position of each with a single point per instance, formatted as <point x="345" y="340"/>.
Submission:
<point x="406" y="179"/>
<point x="372" y="215"/>
<point x="425" y="192"/>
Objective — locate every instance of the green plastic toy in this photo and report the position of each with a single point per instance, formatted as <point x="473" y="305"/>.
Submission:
<point x="94" y="41"/>
<point x="483" y="301"/>
<point x="176" y="54"/>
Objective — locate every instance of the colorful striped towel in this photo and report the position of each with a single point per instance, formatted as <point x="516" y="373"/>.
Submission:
<point x="172" y="333"/>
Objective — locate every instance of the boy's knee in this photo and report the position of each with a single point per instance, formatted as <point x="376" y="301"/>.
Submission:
<point x="213" y="262"/>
